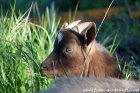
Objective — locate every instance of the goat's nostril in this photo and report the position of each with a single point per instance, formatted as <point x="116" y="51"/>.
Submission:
<point x="43" y="67"/>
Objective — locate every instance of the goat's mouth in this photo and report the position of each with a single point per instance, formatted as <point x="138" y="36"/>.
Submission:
<point x="51" y="74"/>
<point x="46" y="74"/>
<point x="42" y="72"/>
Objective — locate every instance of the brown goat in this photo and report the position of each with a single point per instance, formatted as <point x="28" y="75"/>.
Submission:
<point x="93" y="85"/>
<point x="76" y="53"/>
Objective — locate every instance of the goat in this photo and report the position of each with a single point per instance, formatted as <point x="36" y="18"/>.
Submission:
<point x="77" y="53"/>
<point x="93" y="85"/>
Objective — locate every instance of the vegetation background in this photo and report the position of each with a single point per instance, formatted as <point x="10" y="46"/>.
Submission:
<point x="28" y="29"/>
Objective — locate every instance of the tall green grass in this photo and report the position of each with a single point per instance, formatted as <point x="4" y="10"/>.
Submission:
<point x="117" y="37"/>
<point x="23" y="46"/>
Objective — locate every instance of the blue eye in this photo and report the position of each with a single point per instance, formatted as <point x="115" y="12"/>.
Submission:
<point x="69" y="50"/>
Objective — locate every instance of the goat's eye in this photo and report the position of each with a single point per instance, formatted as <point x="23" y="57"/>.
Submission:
<point x="69" y="50"/>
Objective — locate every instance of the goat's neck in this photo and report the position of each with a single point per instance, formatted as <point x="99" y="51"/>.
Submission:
<point x="99" y="61"/>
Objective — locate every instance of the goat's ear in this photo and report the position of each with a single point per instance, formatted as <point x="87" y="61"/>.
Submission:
<point x="89" y="33"/>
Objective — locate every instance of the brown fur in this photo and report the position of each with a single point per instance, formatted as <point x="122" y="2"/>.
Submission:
<point x="93" y="85"/>
<point x="88" y="58"/>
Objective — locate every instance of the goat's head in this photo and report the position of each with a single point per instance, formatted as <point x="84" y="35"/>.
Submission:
<point x="70" y="50"/>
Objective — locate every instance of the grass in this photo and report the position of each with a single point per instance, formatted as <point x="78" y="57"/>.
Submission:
<point x="122" y="41"/>
<point x="24" y="45"/>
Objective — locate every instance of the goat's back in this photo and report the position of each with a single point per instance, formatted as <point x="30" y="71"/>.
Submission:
<point x="94" y="85"/>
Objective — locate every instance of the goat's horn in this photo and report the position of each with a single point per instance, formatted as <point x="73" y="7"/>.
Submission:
<point x="73" y="24"/>
<point x="81" y="27"/>
<point x="64" y="25"/>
